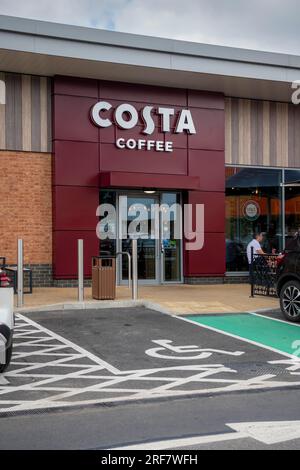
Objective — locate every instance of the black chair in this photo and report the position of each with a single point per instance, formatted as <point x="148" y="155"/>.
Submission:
<point x="2" y="262"/>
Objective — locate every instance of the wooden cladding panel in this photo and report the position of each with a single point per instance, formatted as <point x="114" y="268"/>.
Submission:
<point x="25" y="119"/>
<point x="262" y="133"/>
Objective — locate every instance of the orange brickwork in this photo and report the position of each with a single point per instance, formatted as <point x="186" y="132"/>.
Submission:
<point x="26" y="206"/>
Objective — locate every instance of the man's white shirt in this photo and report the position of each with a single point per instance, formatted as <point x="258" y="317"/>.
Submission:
<point x="256" y="248"/>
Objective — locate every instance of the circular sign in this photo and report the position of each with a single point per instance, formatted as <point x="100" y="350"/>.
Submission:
<point x="251" y="210"/>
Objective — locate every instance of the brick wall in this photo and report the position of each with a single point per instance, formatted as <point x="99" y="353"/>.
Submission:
<point x="242" y="279"/>
<point x="26" y="206"/>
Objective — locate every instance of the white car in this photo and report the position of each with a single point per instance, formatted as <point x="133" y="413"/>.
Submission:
<point x="6" y="326"/>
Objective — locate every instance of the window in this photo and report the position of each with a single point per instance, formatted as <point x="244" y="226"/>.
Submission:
<point x="253" y="203"/>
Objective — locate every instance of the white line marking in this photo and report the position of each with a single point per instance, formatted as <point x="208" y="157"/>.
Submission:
<point x="241" y="338"/>
<point x="182" y="443"/>
<point x="3" y="380"/>
<point x="268" y="433"/>
<point x="91" y="356"/>
<point x="135" y="397"/>
<point x="197" y="377"/>
<point x="181" y="351"/>
<point x="274" y="319"/>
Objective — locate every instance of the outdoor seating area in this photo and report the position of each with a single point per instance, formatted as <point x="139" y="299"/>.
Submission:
<point x="12" y="272"/>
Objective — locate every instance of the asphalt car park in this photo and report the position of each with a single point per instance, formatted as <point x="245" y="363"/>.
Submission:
<point x="81" y="358"/>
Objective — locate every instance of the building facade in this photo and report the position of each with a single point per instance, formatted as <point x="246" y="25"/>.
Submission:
<point x="234" y="149"/>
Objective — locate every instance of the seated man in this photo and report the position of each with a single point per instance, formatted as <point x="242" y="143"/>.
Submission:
<point x="256" y="245"/>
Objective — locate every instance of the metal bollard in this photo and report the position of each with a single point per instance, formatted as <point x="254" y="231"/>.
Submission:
<point x="134" y="270"/>
<point x="20" y="273"/>
<point x="80" y="271"/>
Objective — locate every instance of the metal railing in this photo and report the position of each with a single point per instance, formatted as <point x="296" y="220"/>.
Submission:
<point x="263" y="274"/>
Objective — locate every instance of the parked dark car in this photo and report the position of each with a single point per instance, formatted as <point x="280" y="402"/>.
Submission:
<point x="288" y="280"/>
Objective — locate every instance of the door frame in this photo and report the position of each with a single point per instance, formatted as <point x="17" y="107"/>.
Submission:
<point x="162" y="258"/>
<point x="159" y="257"/>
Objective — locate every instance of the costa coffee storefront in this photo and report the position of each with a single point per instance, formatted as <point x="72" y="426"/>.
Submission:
<point x="138" y="129"/>
<point x="154" y="145"/>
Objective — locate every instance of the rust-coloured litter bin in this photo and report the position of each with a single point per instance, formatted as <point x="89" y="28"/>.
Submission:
<point x="104" y="278"/>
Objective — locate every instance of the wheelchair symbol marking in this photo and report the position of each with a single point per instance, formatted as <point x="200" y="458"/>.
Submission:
<point x="185" y="353"/>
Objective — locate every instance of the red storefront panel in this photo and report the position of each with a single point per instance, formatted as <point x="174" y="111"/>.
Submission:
<point x="142" y="94"/>
<point x="77" y="141"/>
<point x="69" y="169"/>
<point x="210" y="135"/>
<point x="114" y="159"/>
<point x="76" y="87"/>
<point x="65" y="252"/>
<point x="205" y="99"/>
<point x="214" y="209"/>
<point x="75" y="208"/>
<point x="72" y="119"/>
<point x="210" y="261"/>
<point x="209" y="164"/>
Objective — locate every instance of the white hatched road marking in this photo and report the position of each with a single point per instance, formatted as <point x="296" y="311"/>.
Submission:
<point x="45" y="363"/>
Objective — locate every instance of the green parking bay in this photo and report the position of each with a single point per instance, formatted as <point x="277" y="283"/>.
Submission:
<point x="264" y="331"/>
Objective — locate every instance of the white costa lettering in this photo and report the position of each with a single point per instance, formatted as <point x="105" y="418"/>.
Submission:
<point x="185" y="123"/>
<point x="131" y="113"/>
<point x="148" y="120"/>
<point x="127" y="117"/>
<point x="166" y="114"/>
<point x="96" y="114"/>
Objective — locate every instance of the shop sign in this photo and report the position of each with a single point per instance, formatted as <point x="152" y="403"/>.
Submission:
<point x="251" y="210"/>
<point x="127" y="117"/>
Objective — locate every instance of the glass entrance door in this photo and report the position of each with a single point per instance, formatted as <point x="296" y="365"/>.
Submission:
<point x="159" y="238"/>
<point x="142" y="207"/>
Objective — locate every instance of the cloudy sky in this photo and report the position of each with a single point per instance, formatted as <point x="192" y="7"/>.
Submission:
<point x="256" y="24"/>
